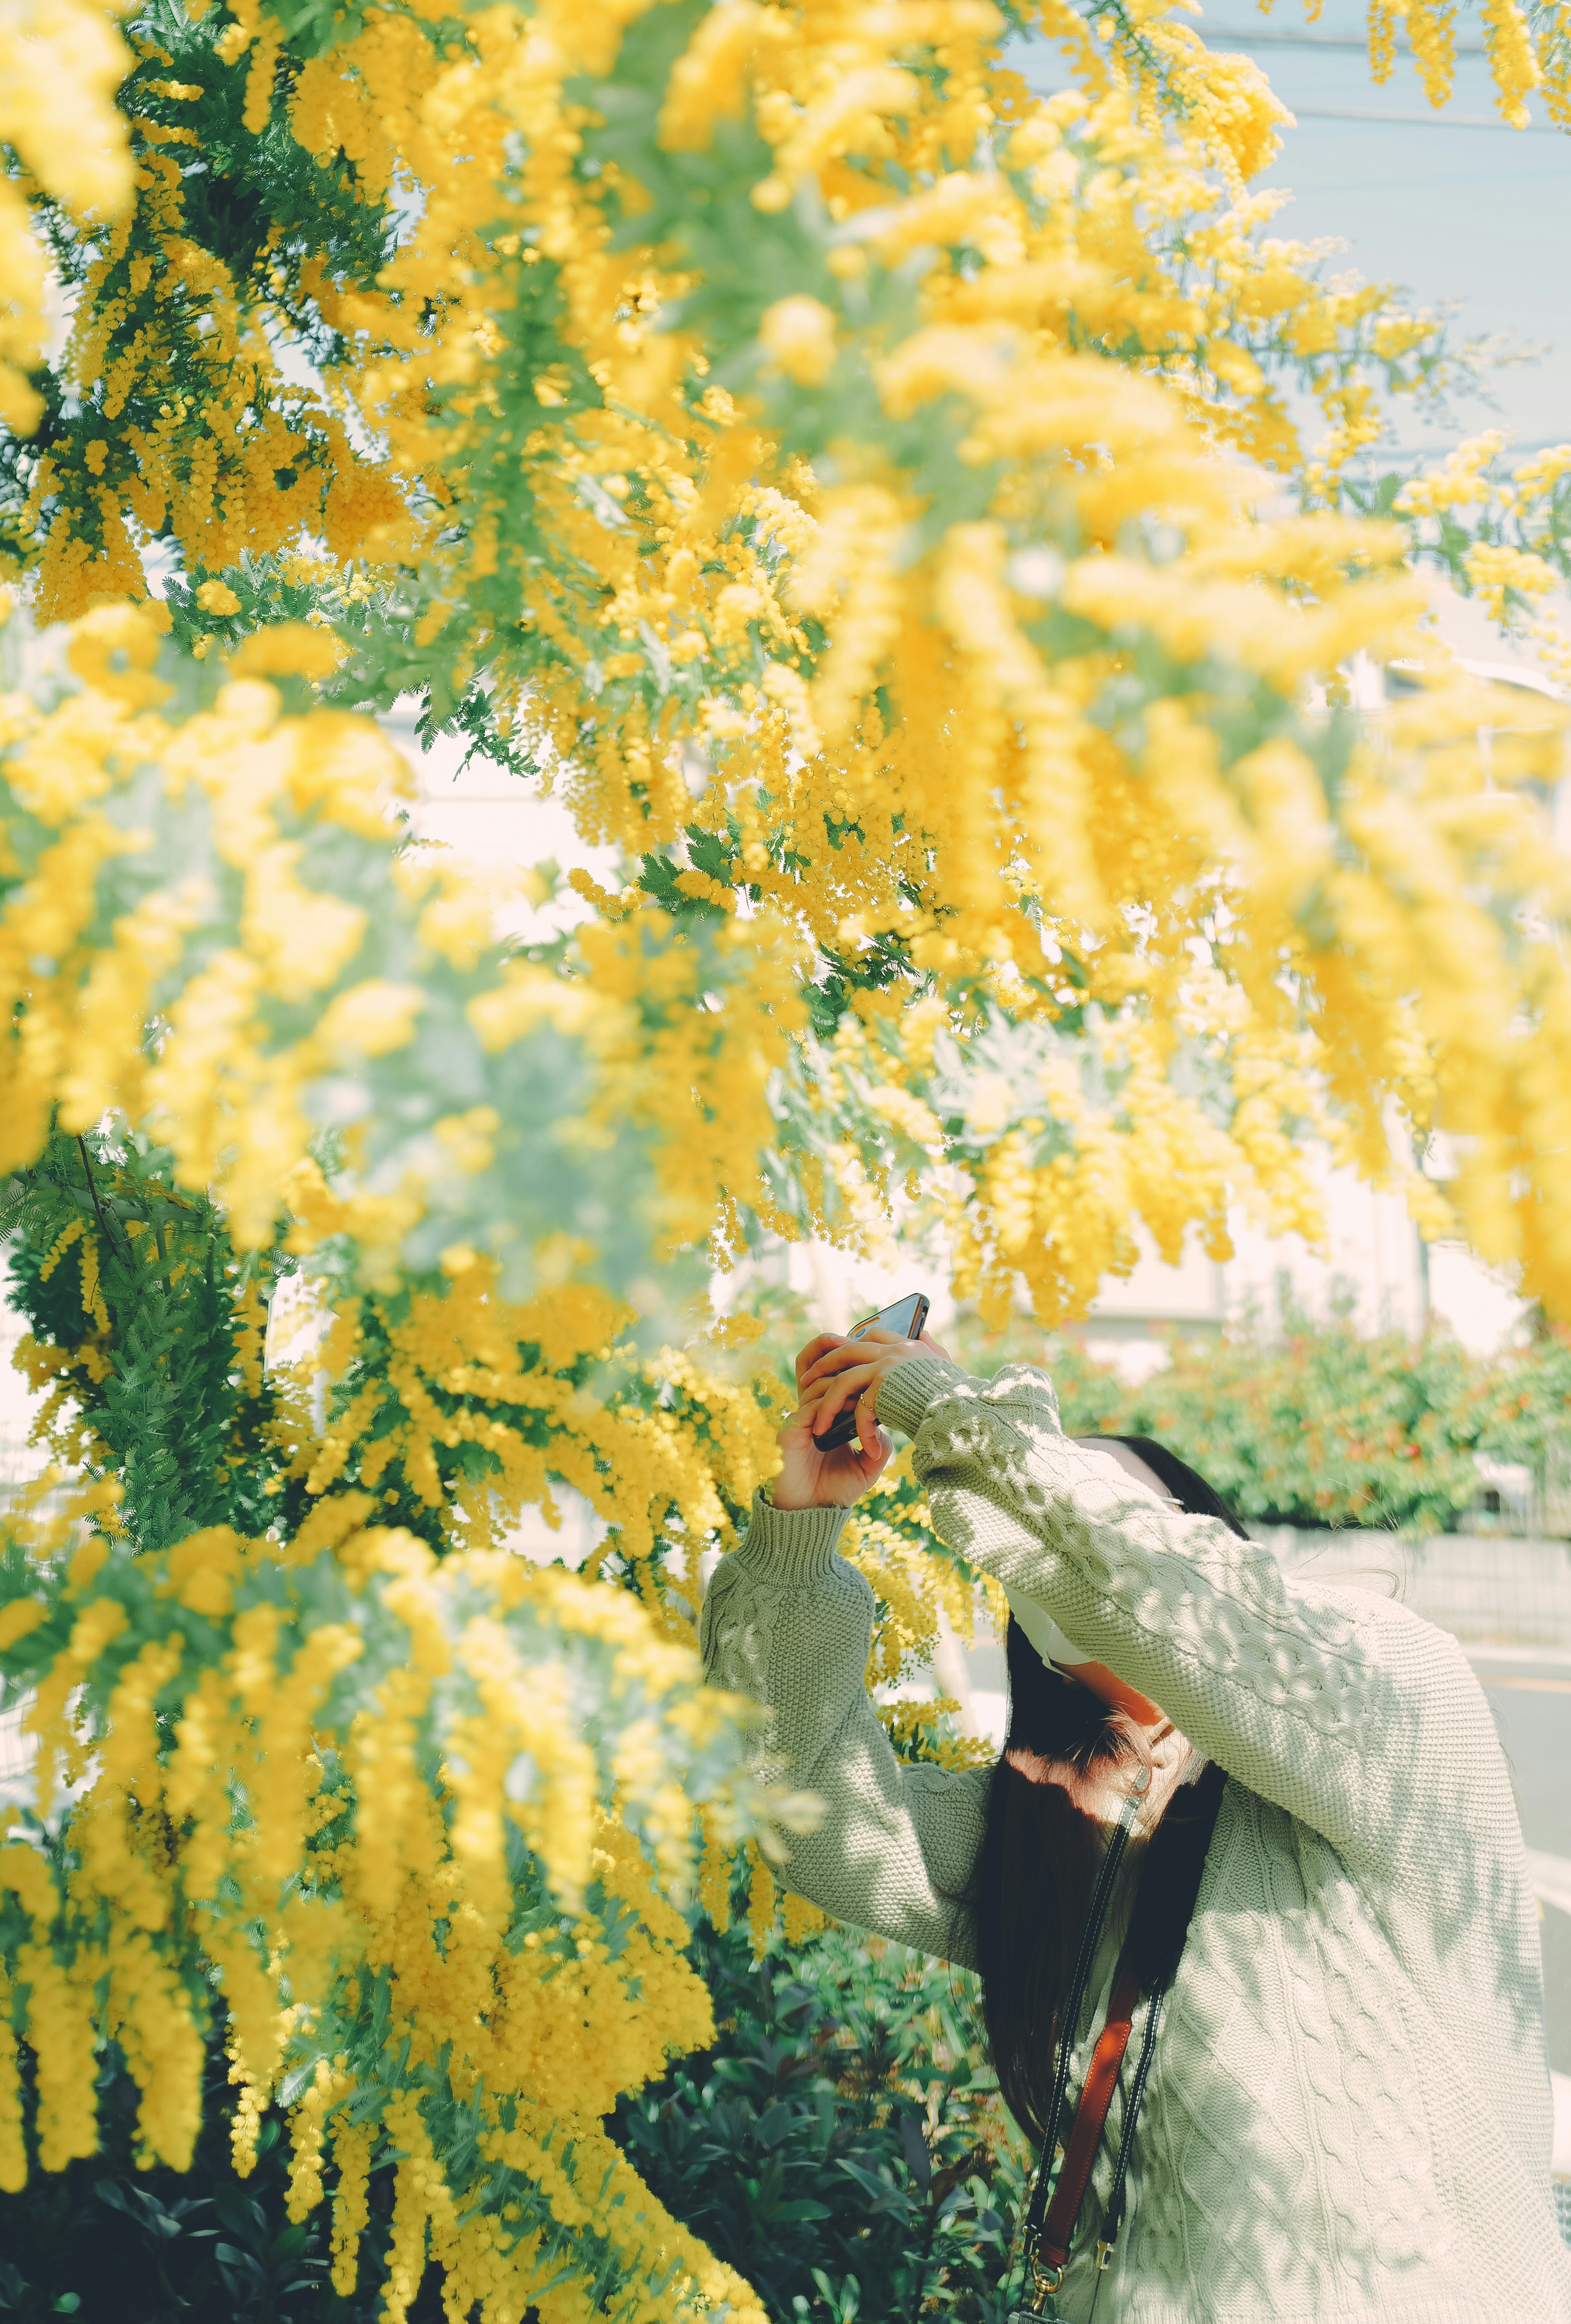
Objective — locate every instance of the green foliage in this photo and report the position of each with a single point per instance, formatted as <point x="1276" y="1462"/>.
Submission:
<point x="843" y="2145"/>
<point x="148" y="1363"/>
<point x="389" y="655"/>
<point x="1318" y="1427"/>
<point x="268" y="589"/>
<point x="262" y="205"/>
<point x="108" y="2243"/>
<point x="256" y="203"/>
<point x="1324" y="1428"/>
<point x="1511" y="505"/>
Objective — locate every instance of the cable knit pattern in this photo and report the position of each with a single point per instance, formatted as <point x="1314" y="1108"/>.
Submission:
<point x="1348" y="2120"/>
<point x="788" y="1622"/>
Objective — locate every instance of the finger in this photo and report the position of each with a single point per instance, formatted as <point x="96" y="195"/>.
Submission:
<point x="826" y="1411"/>
<point x="838" y="1353"/>
<point x="845" y="1345"/>
<point x="842" y="1388"/>
<point x="835" y="1358"/>
<point x="799" y="1425"/>
<point x="810" y="1356"/>
<point x="831" y="1405"/>
<point x="875" y="1453"/>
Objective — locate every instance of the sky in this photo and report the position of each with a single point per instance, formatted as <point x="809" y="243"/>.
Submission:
<point x="1480" y="216"/>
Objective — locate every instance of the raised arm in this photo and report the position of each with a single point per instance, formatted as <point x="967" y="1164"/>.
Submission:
<point x="1344" y="1711"/>
<point x="787" y="1621"/>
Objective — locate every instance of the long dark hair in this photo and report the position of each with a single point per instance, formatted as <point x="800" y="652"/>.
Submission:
<point x="1040" y="1846"/>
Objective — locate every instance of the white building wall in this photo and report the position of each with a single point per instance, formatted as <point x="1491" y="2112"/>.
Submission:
<point x="1373" y="1268"/>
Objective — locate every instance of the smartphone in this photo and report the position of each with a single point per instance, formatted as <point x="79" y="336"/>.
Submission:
<point x="907" y="1316"/>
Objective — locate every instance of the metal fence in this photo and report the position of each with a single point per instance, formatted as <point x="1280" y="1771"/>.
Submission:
<point x="1485" y="1589"/>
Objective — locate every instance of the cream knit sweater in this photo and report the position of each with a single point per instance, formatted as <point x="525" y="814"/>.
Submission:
<point x="1348" y="2118"/>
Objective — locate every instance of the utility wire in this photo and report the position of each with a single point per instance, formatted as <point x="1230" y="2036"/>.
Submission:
<point x="1251" y="36"/>
<point x="1426" y="120"/>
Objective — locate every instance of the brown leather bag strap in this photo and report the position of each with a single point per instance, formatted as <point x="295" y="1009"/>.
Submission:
<point x="1164" y="1904"/>
<point x="1052" y="2248"/>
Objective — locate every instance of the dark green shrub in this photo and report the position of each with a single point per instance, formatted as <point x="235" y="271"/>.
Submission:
<point x="843" y="2143"/>
<point x="108" y="2243"/>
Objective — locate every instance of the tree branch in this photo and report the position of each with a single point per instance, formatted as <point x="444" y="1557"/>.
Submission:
<point x="98" y="1205"/>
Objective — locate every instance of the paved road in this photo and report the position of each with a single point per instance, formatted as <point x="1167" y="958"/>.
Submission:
<point x="1532" y="1701"/>
<point x="1530" y="1697"/>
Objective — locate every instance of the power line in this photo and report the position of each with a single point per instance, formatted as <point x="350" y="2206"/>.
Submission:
<point x="1425" y="120"/>
<point x="1251" y="36"/>
<point x="1247" y="36"/>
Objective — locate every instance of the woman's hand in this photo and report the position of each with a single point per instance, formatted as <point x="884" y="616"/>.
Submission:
<point x="834" y="1371"/>
<point x="812" y="1480"/>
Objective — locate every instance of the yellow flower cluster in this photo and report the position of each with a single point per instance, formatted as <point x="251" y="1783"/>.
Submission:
<point x="1005" y="782"/>
<point x="1504" y="534"/>
<point x="60" y="64"/>
<point x="1513" y="59"/>
<point x="480" y="1923"/>
<point x="843" y="476"/>
<point x="376" y="956"/>
<point x="1525" y="49"/>
<point x="474" y="1409"/>
<point x="192" y="429"/>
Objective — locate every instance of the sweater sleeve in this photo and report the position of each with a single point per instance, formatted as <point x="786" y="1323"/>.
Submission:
<point x="1342" y="1709"/>
<point x="787" y="1621"/>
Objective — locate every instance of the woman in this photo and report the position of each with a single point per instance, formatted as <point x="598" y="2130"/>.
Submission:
<point x="1347" y="2118"/>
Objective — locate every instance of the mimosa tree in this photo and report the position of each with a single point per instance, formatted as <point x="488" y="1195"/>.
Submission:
<point x="867" y="495"/>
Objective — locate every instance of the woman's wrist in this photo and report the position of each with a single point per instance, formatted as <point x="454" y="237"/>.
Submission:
<point x="907" y="1389"/>
<point x="796" y="1546"/>
<point x="778" y="1494"/>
